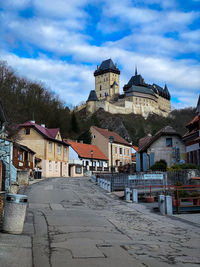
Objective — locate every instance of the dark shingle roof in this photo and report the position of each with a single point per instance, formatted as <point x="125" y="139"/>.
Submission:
<point x="92" y="96"/>
<point x="139" y="89"/>
<point x="107" y="65"/>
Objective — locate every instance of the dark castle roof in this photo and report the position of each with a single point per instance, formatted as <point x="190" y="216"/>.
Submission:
<point x="140" y="89"/>
<point x="107" y="66"/>
<point x="92" y="96"/>
<point x="135" y="80"/>
<point x="137" y="83"/>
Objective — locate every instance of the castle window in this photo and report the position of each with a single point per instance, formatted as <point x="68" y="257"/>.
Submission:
<point x="100" y="95"/>
<point x="100" y="87"/>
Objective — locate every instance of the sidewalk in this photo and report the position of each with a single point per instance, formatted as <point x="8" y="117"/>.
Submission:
<point x="15" y="250"/>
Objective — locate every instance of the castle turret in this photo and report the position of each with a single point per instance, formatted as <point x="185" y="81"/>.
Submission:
<point x="91" y="101"/>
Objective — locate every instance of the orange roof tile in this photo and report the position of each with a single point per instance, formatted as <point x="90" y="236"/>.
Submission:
<point x="117" y="138"/>
<point x="84" y="150"/>
<point x="136" y="148"/>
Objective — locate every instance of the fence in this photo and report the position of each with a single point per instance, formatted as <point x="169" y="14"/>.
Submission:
<point x="121" y="181"/>
<point x="182" y="176"/>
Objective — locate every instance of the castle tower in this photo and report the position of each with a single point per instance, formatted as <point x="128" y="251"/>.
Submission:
<point x="107" y="79"/>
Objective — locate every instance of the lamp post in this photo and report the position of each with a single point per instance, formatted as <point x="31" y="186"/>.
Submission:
<point x="111" y="140"/>
<point x="92" y="158"/>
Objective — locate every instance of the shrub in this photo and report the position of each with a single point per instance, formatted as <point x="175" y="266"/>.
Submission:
<point x="160" y="165"/>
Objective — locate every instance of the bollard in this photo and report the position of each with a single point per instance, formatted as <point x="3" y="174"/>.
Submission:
<point x="161" y="204"/>
<point x="168" y="205"/>
<point x="105" y="184"/>
<point x="100" y="183"/>
<point x="109" y="187"/>
<point x="135" y="195"/>
<point x="127" y="194"/>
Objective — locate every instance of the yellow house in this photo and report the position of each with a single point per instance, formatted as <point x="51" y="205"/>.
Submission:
<point x="49" y="147"/>
<point x="121" y="149"/>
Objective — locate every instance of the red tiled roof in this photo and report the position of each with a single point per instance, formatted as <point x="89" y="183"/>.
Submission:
<point x="135" y="148"/>
<point x="84" y="150"/>
<point x="49" y="133"/>
<point x="117" y="138"/>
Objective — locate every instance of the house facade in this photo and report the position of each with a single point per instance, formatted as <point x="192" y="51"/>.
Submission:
<point x="23" y="157"/>
<point x="120" y="148"/>
<point x="48" y="146"/>
<point x="192" y="138"/>
<point x="166" y="144"/>
<point x="89" y="157"/>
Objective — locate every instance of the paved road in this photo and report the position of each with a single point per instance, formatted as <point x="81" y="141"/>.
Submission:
<point x="73" y="223"/>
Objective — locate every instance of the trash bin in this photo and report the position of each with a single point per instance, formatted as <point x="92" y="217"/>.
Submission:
<point x="14" y="213"/>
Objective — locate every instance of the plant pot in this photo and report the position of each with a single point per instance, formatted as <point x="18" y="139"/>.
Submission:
<point x="149" y="199"/>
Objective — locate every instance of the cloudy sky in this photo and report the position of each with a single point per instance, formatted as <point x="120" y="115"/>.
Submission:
<point x="61" y="42"/>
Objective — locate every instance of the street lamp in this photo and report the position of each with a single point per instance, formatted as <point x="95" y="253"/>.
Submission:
<point x="92" y="157"/>
<point x="111" y="140"/>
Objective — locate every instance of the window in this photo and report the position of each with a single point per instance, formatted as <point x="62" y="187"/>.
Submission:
<point x="100" y="87"/>
<point x="78" y="170"/>
<point x="120" y="151"/>
<point x="65" y="151"/>
<point x="58" y="149"/>
<point x="116" y="150"/>
<point x="27" y="131"/>
<point x="100" y="95"/>
<point x="50" y="165"/>
<point x="94" y="136"/>
<point x="50" y="145"/>
<point x="128" y="152"/>
<point x="56" y="166"/>
<point x="124" y="151"/>
<point x="168" y="142"/>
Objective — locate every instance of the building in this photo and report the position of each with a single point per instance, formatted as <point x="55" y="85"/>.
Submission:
<point x="121" y="149"/>
<point x="48" y="146"/>
<point x="23" y="157"/>
<point x="85" y="156"/>
<point x="192" y="138"/>
<point x="166" y="144"/>
<point x="138" y="97"/>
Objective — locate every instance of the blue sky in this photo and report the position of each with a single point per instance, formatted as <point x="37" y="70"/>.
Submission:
<point x="60" y="43"/>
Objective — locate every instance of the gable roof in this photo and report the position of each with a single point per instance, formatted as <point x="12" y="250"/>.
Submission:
<point x="145" y="142"/>
<point x="49" y="133"/>
<point x="84" y="150"/>
<point x="117" y="138"/>
<point x="106" y="65"/>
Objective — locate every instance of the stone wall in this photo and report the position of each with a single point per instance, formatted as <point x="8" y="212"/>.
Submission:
<point x="23" y="177"/>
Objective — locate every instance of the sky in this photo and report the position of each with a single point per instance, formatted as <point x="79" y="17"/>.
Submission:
<point x="61" y="42"/>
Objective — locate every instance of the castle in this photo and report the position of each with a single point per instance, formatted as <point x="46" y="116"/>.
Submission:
<point x="138" y="97"/>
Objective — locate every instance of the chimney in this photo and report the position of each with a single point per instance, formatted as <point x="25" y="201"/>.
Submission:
<point x="32" y="121"/>
<point x="43" y="125"/>
<point x="81" y="141"/>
